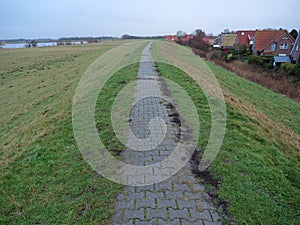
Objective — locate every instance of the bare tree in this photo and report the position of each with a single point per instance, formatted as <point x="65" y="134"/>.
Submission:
<point x="180" y="33"/>
<point x="199" y="43"/>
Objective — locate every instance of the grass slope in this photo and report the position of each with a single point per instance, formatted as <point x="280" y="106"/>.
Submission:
<point x="44" y="179"/>
<point x="258" y="170"/>
<point x="104" y="105"/>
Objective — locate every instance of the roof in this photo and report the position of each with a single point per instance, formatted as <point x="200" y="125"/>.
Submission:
<point x="171" y="37"/>
<point x="245" y="36"/>
<point x="228" y="40"/>
<point x="264" y="38"/>
<point x="208" y="39"/>
<point x="282" y="59"/>
<point x="187" y="38"/>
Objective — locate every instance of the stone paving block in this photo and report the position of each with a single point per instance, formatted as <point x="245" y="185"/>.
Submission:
<point x="145" y="188"/>
<point x="145" y="203"/>
<point x="174" y="195"/>
<point x="130" y="222"/>
<point x="212" y="223"/>
<point x="152" y="154"/>
<point x="204" y="215"/>
<point x="133" y="214"/>
<point x="149" y="163"/>
<point x="125" y="204"/>
<point x="158" y="158"/>
<point x="170" y="203"/>
<point x="156" y="213"/>
<point x="187" y="222"/>
<point x="182" y="204"/>
<point x="198" y="187"/>
<point x="121" y="197"/>
<point x="129" y="190"/>
<point x="178" y="214"/>
<point x="206" y="205"/>
<point x="193" y="196"/>
<point x="180" y="187"/>
<point x="152" y="222"/>
<point x="148" y="158"/>
<point x="136" y="195"/>
<point x="191" y="179"/>
<point x="154" y="195"/>
<point x="168" y="222"/>
<point x="164" y="186"/>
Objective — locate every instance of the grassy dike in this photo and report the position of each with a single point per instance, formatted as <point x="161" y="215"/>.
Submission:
<point x="258" y="165"/>
<point x="44" y="179"/>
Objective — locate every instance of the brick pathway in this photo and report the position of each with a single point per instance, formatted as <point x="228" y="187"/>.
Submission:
<point x="178" y="200"/>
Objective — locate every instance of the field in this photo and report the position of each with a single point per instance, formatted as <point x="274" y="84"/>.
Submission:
<point x="45" y="180"/>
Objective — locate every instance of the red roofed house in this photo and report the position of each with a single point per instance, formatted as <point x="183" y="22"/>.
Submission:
<point x="245" y="37"/>
<point x="186" y="40"/>
<point x="171" y="37"/>
<point x="209" y="40"/>
<point x="272" y="42"/>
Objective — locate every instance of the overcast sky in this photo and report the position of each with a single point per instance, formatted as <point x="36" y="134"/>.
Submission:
<point x="61" y="18"/>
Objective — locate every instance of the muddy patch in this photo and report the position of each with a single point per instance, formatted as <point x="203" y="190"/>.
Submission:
<point x="207" y="178"/>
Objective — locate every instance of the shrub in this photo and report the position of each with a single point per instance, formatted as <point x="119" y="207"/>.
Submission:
<point x="199" y="52"/>
<point x="214" y="54"/>
<point x="257" y="60"/>
<point x="198" y="43"/>
<point x="229" y="57"/>
<point x="265" y="61"/>
<point x="240" y="49"/>
<point x="288" y="68"/>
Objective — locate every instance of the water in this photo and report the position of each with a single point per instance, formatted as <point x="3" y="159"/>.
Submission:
<point x="18" y="45"/>
<point x="40" y="44"/>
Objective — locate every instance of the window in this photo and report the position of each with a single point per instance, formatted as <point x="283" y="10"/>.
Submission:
<point x="297" y="47"/>
<point x="273" y="47"/>
<point x="285" y="38"/>
<point x="243" y="33"/>
<point x="284" y="46"/>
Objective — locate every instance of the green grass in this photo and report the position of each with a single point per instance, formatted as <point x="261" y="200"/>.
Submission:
<point x="44" y="179"/>
<point x="259" y="177"/>
<point x="104" y="107"/>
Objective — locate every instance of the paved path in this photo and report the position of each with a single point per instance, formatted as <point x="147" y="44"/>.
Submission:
<point x="178" y="200"/>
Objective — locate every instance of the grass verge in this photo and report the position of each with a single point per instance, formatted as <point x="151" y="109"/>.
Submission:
<point x="258" y="170"/>
<point x="104" y="107"/>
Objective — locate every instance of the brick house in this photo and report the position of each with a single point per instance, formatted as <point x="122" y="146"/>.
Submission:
<point x="272" y="42"/>
<point x="186" y="40"/>
<point x="296" y="49"/>
<point x="209" y="40"/>
<point x="171" y="37"/>
<point x="245" y="37"/>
